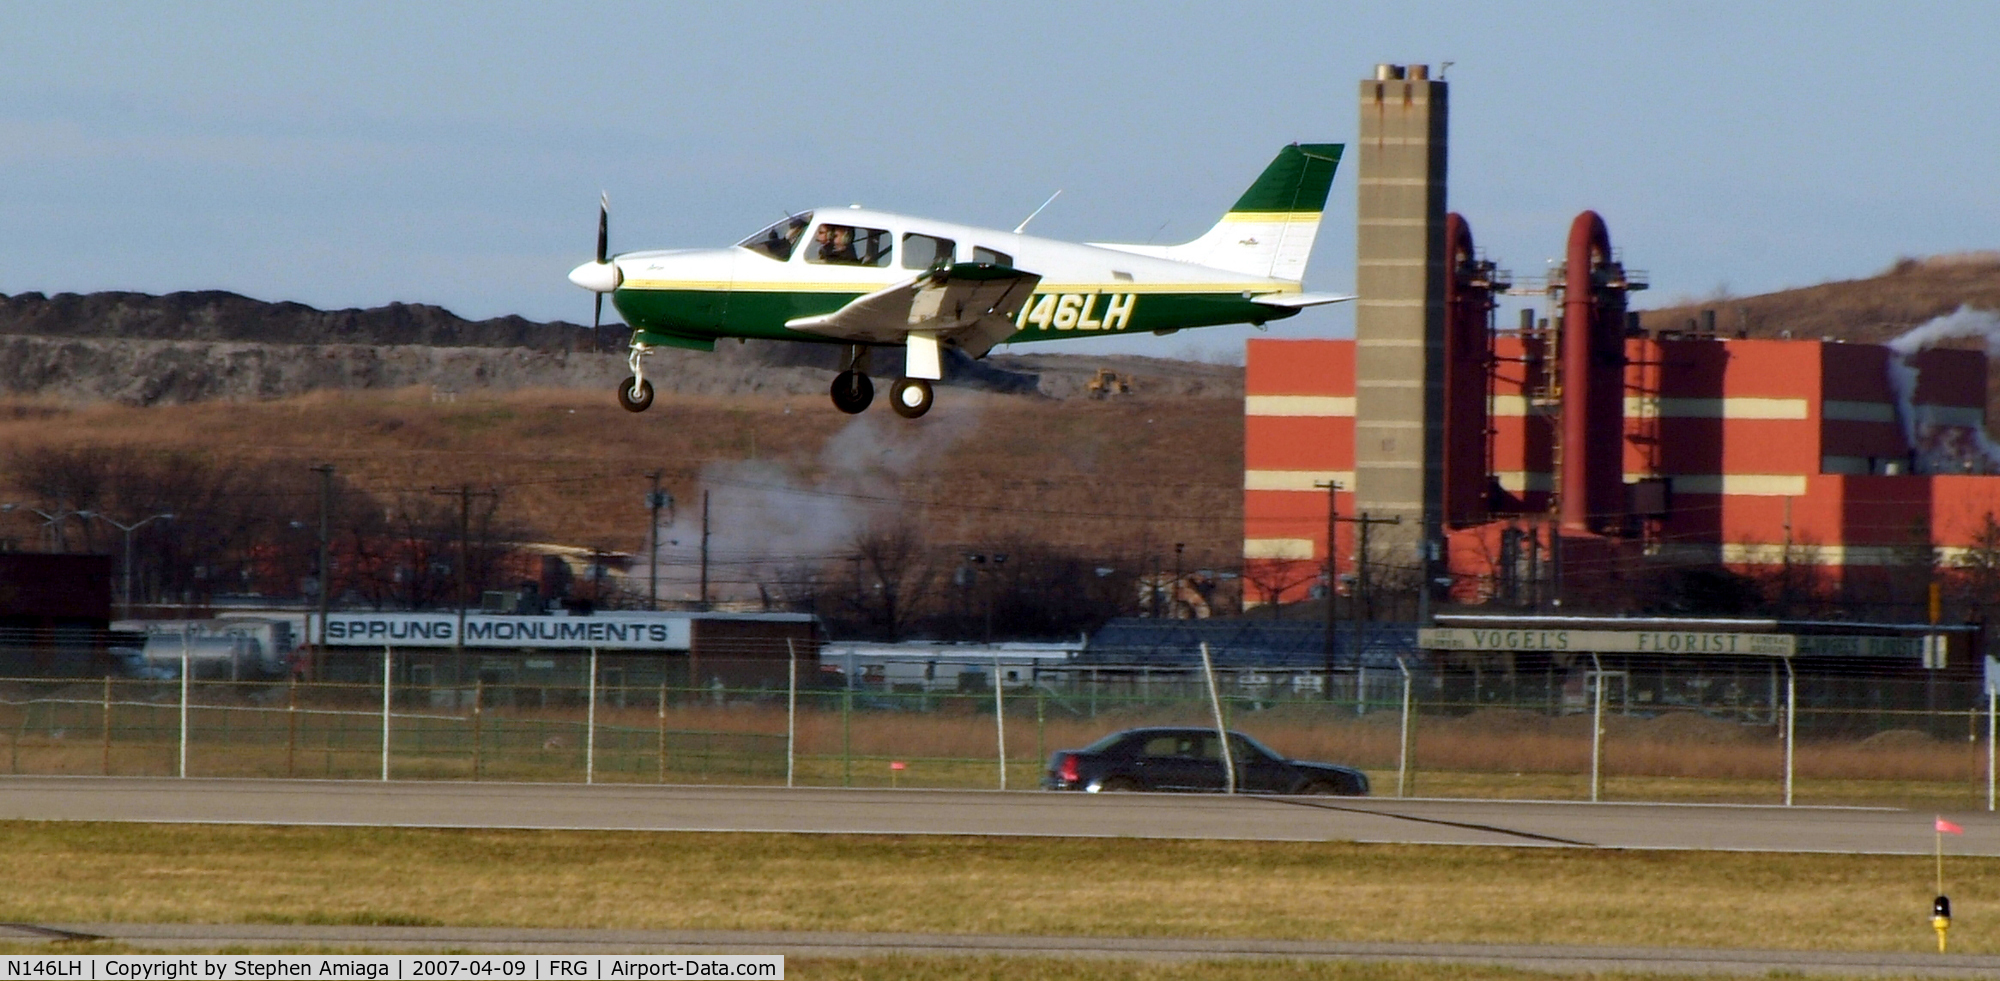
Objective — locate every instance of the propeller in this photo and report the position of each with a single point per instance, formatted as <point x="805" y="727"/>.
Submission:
<point x="603" y="242"/>
<point x="600" y="276"/>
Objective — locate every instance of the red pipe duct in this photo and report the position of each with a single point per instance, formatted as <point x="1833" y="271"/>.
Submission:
<point x="1593" y="397"/>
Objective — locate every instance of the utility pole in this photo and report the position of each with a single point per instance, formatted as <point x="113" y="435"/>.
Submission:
<point x="465" y="494"/>
<point x="1332" y="584"/>
<point x="655" y="501"/>
<point x="1174" y="590"/>
<point x="704" y="549"/>
<point x="1363" y="590"/>
<point x="325" y="471"/>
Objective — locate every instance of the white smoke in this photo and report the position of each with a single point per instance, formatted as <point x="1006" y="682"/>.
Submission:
<point x="770" y="519"/>
<point x="1942" y="448"/>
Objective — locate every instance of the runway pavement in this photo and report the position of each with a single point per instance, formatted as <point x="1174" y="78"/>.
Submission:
<point x="173" y="937"/>
<point x="971" y="812"/>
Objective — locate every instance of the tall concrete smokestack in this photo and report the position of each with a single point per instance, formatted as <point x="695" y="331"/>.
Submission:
<point x="1399" y="319"/>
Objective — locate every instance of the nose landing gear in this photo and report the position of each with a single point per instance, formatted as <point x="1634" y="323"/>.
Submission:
<point x="636" y="393"/>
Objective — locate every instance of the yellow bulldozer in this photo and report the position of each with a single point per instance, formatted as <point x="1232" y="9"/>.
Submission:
<point x="1107" y="383"/>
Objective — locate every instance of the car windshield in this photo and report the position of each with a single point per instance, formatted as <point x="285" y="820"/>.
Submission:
<point x="780" y="238"/>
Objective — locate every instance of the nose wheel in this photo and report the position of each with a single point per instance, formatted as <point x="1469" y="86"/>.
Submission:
<point x="910" y="397"/>
<point x="852" y="391"/>
<point x="636" y="393"/>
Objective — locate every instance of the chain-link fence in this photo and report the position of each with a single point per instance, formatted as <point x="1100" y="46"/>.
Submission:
<point x="1641" y="732"/>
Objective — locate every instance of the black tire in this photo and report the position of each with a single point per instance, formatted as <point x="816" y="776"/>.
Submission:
<point x="1320" y="788"/>
<point x="910" y="397"/>
<point x="641" y="403"/>
<point x="852" y="391"/>
<point x="1118" y="785"/>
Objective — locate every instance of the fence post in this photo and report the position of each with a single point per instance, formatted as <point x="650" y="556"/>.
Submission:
<point x="186" y="642"/>
<point x="1403" y="747"/>
<point x="846" y="734"/>
<point x="791" y="709"/>
<point x="1000" y="719"/>
<point x="386" y="654"/>
<point x="292" y="725"/>
<point x="590" y="723"/>
<point x="1221" y="730"/>
<point x="1791" y="724"/>
<point x="478" y="723"/>
<point x="1041" y="743"/>
<point x="661" y="753"/>
<point x="1992" y="710"/>
<point x="1597" y="729"/>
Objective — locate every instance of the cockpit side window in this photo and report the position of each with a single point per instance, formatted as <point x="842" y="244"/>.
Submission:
<point x="850" y="245"/>
<point x="926" y="251"/>
<point x="981" y="253"/>
<point x="779" y="240"/>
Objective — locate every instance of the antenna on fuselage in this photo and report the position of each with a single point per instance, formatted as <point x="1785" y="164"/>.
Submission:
<point x="1031" y="215"/>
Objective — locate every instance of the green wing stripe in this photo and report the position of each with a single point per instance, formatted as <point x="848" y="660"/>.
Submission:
<point x="1297" y="181"/>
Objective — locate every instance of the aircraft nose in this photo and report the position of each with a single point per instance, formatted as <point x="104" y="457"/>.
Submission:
<point x="597" y="277"/>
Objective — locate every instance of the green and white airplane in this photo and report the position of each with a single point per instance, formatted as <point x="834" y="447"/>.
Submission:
<point x="870" y="279"/>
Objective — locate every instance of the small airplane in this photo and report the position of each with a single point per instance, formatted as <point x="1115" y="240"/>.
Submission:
<point x="871" y="279"/>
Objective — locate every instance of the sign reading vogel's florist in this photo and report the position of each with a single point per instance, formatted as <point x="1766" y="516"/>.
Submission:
<point x="1608" y="641"/>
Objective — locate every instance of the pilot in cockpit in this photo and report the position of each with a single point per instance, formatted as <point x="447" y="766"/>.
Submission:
<point x="837" y="244"/>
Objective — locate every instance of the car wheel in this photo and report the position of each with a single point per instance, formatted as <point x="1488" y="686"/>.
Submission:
<point x="1118" y="785"/>
<point x="1320" y="788"/>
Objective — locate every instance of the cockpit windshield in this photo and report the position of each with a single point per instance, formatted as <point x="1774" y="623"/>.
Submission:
<point x="780" y="239"/>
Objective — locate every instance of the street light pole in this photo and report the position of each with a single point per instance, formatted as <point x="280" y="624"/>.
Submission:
<point x="128" y="530"/>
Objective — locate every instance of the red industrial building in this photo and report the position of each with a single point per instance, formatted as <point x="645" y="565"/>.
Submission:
<point x="1583" y="459"/>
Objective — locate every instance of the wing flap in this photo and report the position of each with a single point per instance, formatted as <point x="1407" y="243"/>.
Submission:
<point x="970" y="305"/>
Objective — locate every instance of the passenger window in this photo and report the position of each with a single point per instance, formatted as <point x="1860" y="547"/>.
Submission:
<point x="1163" y="746"/>
<point x="925" y="251"/>
<point x="981" y="253"/>
<point x="847" y="245"/>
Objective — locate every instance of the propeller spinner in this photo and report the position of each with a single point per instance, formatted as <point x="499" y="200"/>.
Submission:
<point x="602" y="276"/>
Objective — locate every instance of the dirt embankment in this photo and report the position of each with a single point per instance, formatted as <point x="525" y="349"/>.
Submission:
<point x="137" y="349"/>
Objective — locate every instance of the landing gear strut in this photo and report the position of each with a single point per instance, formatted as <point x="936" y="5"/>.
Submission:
<point x="636" y="393"/>
<point x="852" y="391"/>
<point x="910" y="397"/>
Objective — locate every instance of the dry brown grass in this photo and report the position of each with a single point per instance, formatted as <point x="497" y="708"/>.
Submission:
<point x="70" y="872"/>
<point x="950" y="741"/>
<point x="571" y="462"/>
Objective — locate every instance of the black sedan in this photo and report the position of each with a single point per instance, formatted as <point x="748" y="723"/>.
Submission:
<point x="1187" y="758"/>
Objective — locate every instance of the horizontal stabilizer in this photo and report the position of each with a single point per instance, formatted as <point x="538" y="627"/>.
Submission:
<point x="1299" y="301"/>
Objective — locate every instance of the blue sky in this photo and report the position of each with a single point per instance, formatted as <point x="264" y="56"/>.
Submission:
<point x="351" y="154"/>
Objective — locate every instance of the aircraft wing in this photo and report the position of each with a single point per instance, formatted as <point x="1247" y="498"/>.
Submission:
<point x="971" y="305"/>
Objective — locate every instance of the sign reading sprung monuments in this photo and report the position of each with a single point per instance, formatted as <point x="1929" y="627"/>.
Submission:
<point x="487" y="631"/>
<point x="1687" y="642"/>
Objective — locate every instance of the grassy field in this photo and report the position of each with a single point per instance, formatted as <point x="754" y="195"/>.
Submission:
<point x="949" y="742"/>
<point x="73" y="872"/>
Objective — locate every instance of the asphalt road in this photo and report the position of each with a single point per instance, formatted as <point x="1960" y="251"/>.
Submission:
<point x="169" y="937"/>
<point x="972" y="812"/>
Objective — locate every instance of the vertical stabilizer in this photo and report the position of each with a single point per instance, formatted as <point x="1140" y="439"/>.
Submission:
<point x="1270" y="230"/>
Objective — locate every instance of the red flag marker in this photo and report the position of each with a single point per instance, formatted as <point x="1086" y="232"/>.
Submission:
<point x="1946" y="827"/>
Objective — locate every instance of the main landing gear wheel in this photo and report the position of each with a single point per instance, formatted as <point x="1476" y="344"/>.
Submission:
<point x="910" y="397"/>
<point x="852" y="391"/>
<point x="636" y="394"/>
